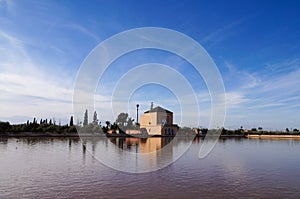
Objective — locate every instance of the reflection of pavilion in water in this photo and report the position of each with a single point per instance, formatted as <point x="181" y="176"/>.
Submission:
<point x="151" y="151"/>
<point x="136" y="154"/>
<point x="141" y="145"/>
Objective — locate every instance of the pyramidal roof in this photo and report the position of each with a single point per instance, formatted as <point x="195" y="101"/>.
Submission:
<point x="158" y="109"/>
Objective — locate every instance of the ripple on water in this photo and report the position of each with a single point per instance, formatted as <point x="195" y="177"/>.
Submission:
<point x="59" y="168"/>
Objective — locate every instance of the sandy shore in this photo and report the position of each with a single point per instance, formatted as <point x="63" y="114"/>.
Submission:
<point x="274" y="136"/>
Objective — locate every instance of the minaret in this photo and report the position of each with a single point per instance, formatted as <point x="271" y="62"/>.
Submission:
<point x="151" y="107"/>
<point x="137" y="113"/>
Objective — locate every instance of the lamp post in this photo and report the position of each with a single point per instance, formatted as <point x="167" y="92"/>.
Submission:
<point x="137" y="113"/>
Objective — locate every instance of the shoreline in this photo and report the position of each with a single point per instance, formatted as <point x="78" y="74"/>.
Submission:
<point x="256" y="136"/>
<point x="76" y="135"/>
<point x="45" y="135"/>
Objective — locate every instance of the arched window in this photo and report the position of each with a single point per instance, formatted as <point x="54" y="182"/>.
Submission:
<point x="172" y="132"/>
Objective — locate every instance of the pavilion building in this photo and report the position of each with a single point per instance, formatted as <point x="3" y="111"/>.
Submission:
<point x="158" y="121"/>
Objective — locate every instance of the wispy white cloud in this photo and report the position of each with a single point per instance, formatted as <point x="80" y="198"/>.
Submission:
<point x="12" y="49"/>
<point x="269" y="102"/>
<point x="84" y="30"/>
<point x="34" y="86"/>
<point x="240" y="79"/>
<point x="285" y="85"/>
<point x="284" y="66"/>
<point x="27" y="89"/>
<point x="235" y="100"/>
<point x="222" y="32"/>
<point x="7" y="5"/>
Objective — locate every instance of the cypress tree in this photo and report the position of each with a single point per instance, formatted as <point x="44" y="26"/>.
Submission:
<point x="95" y="118"/>
<point x="85" y="119"/>
<point x="71" y="121"/>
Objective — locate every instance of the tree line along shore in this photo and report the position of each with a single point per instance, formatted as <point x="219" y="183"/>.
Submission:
<point x="49" y="127"/>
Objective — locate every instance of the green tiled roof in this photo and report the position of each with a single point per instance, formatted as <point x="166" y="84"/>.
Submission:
<point x="158" y="109"/>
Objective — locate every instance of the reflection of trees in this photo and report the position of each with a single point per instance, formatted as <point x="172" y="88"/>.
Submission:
<point x="3" y="140"/>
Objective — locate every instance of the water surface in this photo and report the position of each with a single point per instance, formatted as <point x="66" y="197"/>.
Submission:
<point x="63" y="168"/>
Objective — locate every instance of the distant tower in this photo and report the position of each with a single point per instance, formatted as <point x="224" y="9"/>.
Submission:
<point x="151" y="107"/>
<point x="137" y="113"/>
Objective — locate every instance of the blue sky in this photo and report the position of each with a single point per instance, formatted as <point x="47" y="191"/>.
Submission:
<point x="255" y="44"/>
